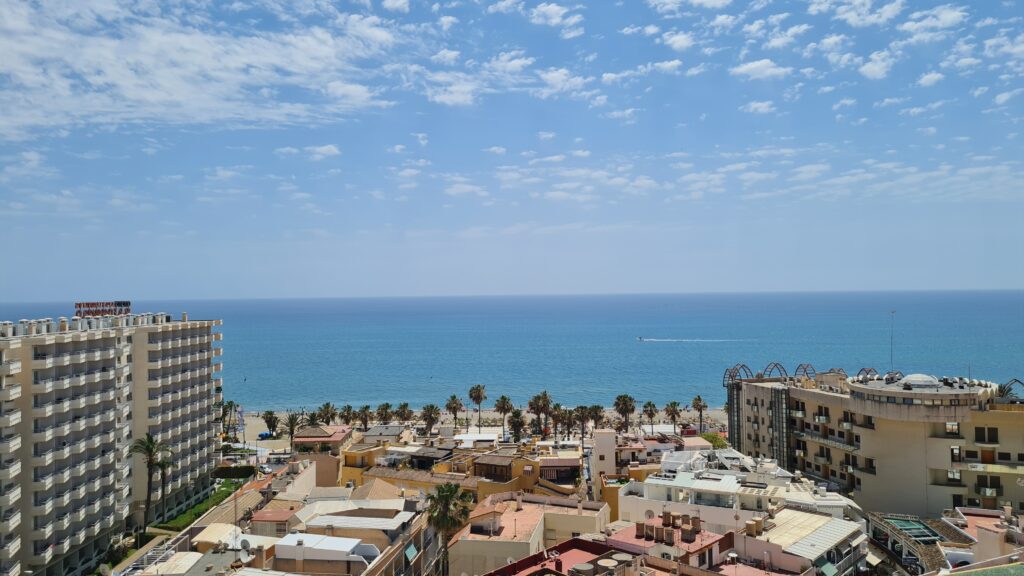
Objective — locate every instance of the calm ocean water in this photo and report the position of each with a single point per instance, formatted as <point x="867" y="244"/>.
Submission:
<point x="584" y="349"/>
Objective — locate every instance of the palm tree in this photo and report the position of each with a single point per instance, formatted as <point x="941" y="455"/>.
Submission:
<point x="597" y="415"/>
<point x="453" y="407"/>
<point x="516" y="424"/>
<point x="228" y="416"/>
<point x="447" y="512"/>
<point x="346" y="414"/>
<point x="672" y="411"/>
<point x="363" y="415"/>
<point x="568" y="417"/>
<point x="700" y="406"/>
<point x="503" y="406"/>
<point x="310" y="419"/>
<point x="624" y="406"/>
<point x="271" y="420"/>
<point x="1006" y="390"/>
<point x="384" y="413"/>
<point x="556" y="419"/>
<point x="164" y="466"/>
<point x="327" y="413"/>
<point x="291" y="425"/>
<point x="650" y="410"/>
<point x="540" y="406"/>
<point x="582" y="415"/>
<point x="403" y="413"/>
<point x="430" y="414"/>
<point x="477" y="394"/>
<point x="152" y="451"/>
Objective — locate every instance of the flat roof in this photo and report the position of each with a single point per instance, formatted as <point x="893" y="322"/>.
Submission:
<point x="320" y="542"/>
<point x="362" y="522"/>
<point x="806" y="534"/>
<point x="275" y="515"/>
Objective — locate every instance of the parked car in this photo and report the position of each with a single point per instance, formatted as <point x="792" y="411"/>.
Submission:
<point x="266" y="469"/>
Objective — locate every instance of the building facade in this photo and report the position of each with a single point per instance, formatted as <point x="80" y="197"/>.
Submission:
<point x="75" y="394"/>
<point x="911" y="444"/>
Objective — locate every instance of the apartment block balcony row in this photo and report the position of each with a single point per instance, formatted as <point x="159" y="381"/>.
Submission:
<point x="9" y="469"/>
<point x="830" y="441"/>
<point x="171" y="360"/>
<point x="9" y="393"/>
<point x="10" y="548"/>
<point x="9" y="444"/>
<point x="169" y="343"/>
<point x="8" y="419"/>
<point x="10" y="367"/>
<point x="9" y="494"/>
<point x="44" y="384"/>
<point x="202" y="372"/>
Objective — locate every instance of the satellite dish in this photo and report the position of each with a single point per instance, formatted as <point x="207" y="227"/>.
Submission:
<point x="553" y="554"/>
<point x="245" y="545"/>
<point x="510" y="561"/>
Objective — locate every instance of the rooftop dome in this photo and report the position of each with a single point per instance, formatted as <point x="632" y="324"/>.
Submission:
<point x="919" y="381"/>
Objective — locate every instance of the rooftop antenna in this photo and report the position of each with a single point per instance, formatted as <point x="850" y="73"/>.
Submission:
<point x="892" y="326"/>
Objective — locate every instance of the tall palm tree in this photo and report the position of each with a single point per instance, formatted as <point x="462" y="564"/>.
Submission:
<point x="430" y="414"/>
<point x="556" y="419"/>
<point x="624" y="406"/>
<point x="672" y="411"/>
<point x="271" y="420"/>
<point x="403" y="413"/>
<point x="700" y="406"/>
<point x="152" y="451"/>
<point x="292" y="423"/>
<point x="516" y="424"/>
<point x="363" y="415"/>
<point x="597" y="415"/>
<point x="568" y="417"/>
<point x="650" y="410"/>
<point x="346" y="414"/>
<point x="582" y="415"/>
<point x="503" y="406"/>
<point x="164" y="466"/>
<point x="384" y="413"/>
<point x="327" y="413"/>
<point x="453" y="407"/>
<point x="447" y="512"/>
<point x="228" y="417"/>
<point x="540" y="406"/>
<point x="477" y="394"/>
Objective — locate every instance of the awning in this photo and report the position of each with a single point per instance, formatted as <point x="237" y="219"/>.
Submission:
<point x="874" y="559"/>
<point x="858" y="540"/>
<point x="828" y="570"/>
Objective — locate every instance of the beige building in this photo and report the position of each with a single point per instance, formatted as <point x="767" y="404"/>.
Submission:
<point x="515" y="525"/>
<point x="74" y="394"/>
<point x="909" y="444"/>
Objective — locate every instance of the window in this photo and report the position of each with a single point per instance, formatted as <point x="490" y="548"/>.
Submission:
<point x="952" y="428"/>
<point x="958" y="500"/>
<point x="971" y="454"/>
<point x="954" y="454"/>
<point x="575" y="534"/>
<point x="1003" y="456"/>
<point x="1020" y="456"/>
<point x="953" y="476"/>
<point x="600" y="457"/>
<point x="993" y="435"/>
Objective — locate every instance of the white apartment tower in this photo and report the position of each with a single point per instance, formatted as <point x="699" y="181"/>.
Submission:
<point x="74" y="395"/>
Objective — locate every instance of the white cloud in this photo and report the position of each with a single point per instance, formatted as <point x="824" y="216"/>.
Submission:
<point x="1004" y="97"/>
<point x="551" y="14"/>
<point x="764" y="69"/>
<point x="843" y="103"/>
<point x="940" y="17"/>
<point x="421" y="138"/>
<point x="505" y="7"/>
<point x="878" y="65"/>
<point x="675" y="6"/>
<point x="886" y="102"/>
<point x="446" y="22"/>
<point x="665" y="67"/>
<point x="465" y="189"/>
<point x="648" y="30"/>
<point x="980" y="90"/>
<point x="859" y="13"/>
<point x="499" y="150"/>
<point x="509" y="63"/>
<point x="758" y="107"/>
<point x="548" y="159"/>
<point x="627" y="115"/>
<point x="558" y="81"/>
<point x="397" y="149"/>
<point x="395" y="5"/>
<point x="546" y="135"/>
<point x="317" y="153"/>
<point x="783" y="38"/>
<point x="930" y="79"/>
<point x="580" y="153"/>
<point x="810" y="171"/>
<point x="445" y="56"/>
<point x="677" y="41"/>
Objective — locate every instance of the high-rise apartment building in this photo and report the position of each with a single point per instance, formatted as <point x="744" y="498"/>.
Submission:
<point x="74" y="395"/>
<point x="913" y="444"/>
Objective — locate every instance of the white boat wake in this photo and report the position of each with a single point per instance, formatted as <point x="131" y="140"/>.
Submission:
<point x="697" y="340"/>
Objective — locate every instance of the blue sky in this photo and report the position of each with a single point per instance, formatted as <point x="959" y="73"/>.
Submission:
<point x="399" y="147"/>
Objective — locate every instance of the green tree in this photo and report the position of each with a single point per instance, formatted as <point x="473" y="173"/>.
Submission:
<point x="1006" y="390"/>
<point x="363" y="415"/>
<point x="430" y="414"/>
<point x="597" y="415"/>
<point x="672" y="411"/>
<point x="503" y="406"/>
<point x="717" y="442"/>
<point x="327" y="413"/>
<point x="582" y="415"/>
<point x="516" y="424"/>
<point x="650" y="410"/>
<point x="384" y="413"/>
<point x="700" y="406"/>
<point x="556" y="419"/>
<point x="403" y="413"/>
<point x="624" y="406"/>
<point x="228" y="417"/>
<point x="453" y="407"/>
<point x="346" y="414"/>
<point x="477" y="395"/>
<point x="310" y="419"/>
<point x="448" y="511"/>
<point x="271" y="420"/>
<point x="152" y="451"/>
<point x="540" y="406"/>
<point x="292" y="423"/>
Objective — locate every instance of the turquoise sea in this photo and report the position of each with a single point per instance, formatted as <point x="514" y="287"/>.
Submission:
<point x="585" y="349"/>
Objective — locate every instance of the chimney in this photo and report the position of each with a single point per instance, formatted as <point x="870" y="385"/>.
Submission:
<point x="666" y="518"/>
<point x="659" y="534"/>
<point x="687" y="535"/>
<point x="677" y="520"/>
<point x="670" y="536"/>
<point x="695" y="522"/>
<point x="519" y="501"/>
<point x="579" y="507"/>
<point x="640" y="530"/>
<point x="184" y="316"/>
<point x="558" y="565"/>
<point x="63" y="326"/>
<point x="648" y="532"/>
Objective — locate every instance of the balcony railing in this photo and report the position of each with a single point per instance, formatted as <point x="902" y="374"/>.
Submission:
<point x="988" y="491"/>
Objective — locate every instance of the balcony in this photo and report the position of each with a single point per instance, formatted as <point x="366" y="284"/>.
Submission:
<point x="12" y="520"/>
<point x="822" y="419"/>
<point x="797" y="413"/>
<point x="9" y="469"/>
<point x="846" y="424"/>
<point x="867" y="470"/>
<point x="798" y="453"/>
<point x="988" y="492"/>
<point x="12" y="418"/>
<point x="10" y="367"/>
<point x="10" y="549"/>
<point x="819" y="459"/>
<point x="10" y="393"/>
<point x="827" y="441"/>
<point x="11" y="495"/>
